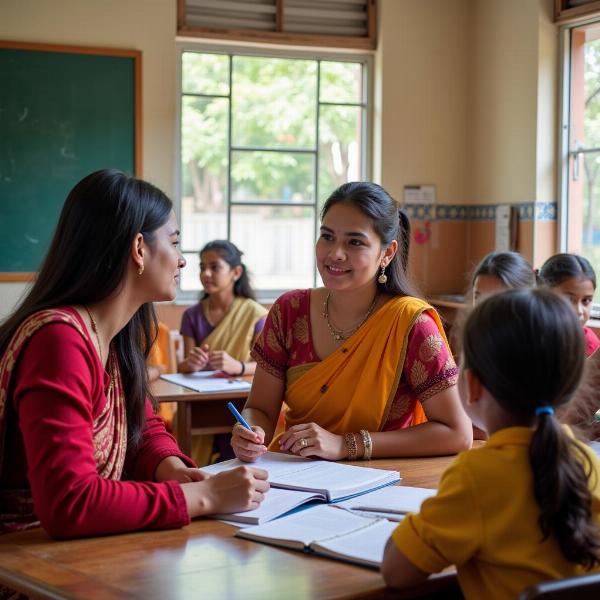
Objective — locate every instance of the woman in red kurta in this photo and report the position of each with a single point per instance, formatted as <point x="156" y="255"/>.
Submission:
<point x="81" y="450"/>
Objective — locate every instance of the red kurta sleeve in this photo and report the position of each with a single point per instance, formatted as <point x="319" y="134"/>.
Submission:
<point x="58" y="389"/>
<point x="156" y="444"/>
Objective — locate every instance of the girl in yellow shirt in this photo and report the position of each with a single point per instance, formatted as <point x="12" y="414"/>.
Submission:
<point x="525" y="507"/>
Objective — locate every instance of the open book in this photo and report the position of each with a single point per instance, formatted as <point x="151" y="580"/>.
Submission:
<point x="327" y="531"/>
<point x="208" y="381"/>
<point x="295" y="481"/>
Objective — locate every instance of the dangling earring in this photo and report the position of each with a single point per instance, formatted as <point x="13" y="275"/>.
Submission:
<point x="141" y="269"/>
<point x="382" y="276"/>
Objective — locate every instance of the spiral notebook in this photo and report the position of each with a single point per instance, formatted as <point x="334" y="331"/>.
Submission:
<point x="296" y="481"/>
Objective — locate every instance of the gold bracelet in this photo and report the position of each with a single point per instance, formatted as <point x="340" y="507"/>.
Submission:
<point x="368" y="443"/>
<point x="350" y="440"/>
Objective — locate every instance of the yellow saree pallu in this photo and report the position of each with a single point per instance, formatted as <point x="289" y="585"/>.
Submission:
<point x="109" y="427"/>
<point x="235" y="332"/>
<point x="355" y="386"/>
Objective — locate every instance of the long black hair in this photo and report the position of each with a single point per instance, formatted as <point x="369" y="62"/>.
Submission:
<point x="511" y="268"/>
<point x="232" y="255"/>
<point x="498" y="339"/>
<point x="87" y="262"/>
<point x="560" y="267"/>
<point x="389" y="221"/>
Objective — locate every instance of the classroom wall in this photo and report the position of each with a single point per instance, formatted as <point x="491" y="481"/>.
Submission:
<point x="466" y="99"/>
<point x="146" y="25"/>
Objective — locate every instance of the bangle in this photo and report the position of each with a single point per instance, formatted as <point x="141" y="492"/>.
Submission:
<point x="243" y="368"/>
<point x="368" y="443"/>
<point x="350" y="440"/>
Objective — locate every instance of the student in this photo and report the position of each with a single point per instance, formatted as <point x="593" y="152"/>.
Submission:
<point x="362" y="363"/>
<point x="501" y="271"/>
<point x="81" y="450"/>
<point x="525" y="507"/>
<point x="218" y="332"/>
<point x="573" y="277"/>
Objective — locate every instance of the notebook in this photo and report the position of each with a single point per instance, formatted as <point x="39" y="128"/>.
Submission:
<point x="392" y="503"/>
<point x="296" y="481"/>
<point x="208" y="382"/>
<point x="327" y="531"/>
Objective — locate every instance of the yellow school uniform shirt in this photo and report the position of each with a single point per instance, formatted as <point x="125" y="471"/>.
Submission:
<point x="484" y="520"/>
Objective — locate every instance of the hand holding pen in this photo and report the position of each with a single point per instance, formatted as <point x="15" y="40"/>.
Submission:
<point x="248" y="442"/>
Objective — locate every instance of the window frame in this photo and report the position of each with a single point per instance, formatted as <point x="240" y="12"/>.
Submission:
<point x="365" y="58"/>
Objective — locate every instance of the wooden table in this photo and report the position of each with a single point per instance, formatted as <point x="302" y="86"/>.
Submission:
<point x="199" y="562"/>
<point x="198" y="412"/>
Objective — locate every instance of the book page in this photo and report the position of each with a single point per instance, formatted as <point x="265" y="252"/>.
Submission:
<point x="318" y="522"/>
<point x="398" y="499"/>
<point x="364" y="546"/>
<point x="276" y="503"/>
<point x="336" y="480"/>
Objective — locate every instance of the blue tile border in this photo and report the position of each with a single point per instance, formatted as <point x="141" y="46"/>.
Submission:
<point x="528" y="211"/>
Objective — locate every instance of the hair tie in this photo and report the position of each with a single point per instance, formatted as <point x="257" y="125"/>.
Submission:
<point x="544" y="410"/>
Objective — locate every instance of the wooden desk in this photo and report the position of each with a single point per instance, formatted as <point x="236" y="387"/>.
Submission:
<point x="198" y="412"/>
<point x="201" y="561"/>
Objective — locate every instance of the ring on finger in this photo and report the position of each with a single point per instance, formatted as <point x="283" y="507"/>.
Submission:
<point x="303" y="443"/>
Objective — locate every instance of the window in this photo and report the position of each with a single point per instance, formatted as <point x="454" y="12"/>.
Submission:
<point x="580" y="214"/>
<point x="263" y="141"/>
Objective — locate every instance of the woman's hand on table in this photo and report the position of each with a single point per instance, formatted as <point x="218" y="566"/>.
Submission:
<point x="248" y="445"/>
<point x="173" y="468"/>
<point x="309" y="439"/>
<point x="240" y="489"/>
<point x="197" y="359"/>
<point x="219" y="360"/>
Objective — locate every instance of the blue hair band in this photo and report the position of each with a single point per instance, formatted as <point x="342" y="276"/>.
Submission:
<point x="544" y="410"/>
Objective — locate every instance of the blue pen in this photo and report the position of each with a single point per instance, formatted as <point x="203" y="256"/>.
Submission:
<point x="237" y="415"/>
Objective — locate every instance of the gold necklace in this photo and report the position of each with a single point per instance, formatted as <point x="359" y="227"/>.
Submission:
<point x="343" y="334"/>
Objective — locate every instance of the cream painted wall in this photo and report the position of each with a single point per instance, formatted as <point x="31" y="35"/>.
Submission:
<point x="421" y="112"/>
<point x="146" y="25"/>
<point x="502" y="124"/>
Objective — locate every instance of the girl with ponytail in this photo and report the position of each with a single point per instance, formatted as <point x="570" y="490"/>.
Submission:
<point x="525" y="507"/>
<point x="362" y="363"/>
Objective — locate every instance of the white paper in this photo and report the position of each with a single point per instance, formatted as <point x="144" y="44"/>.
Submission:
<point x="503" y="228"/>
<point x="206" y="381"/>
<point x="398" y="499"/>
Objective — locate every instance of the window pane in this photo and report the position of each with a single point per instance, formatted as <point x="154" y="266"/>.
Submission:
<point x="272" y="177"/>
<point x="204" y="172"/>
<point x="341" y="82"/>
<point x="590" y="233"/>
<point x="278" y="245"/>
<point x="339" y="147"/>
<point x="190" y="274"/>
<point x="204" y="73"/>
<point x="273" y="102"/>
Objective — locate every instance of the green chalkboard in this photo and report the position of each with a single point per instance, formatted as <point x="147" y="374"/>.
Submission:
<point x="64" y="112"/>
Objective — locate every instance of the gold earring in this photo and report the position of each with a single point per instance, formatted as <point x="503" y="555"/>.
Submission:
<point x="382" y="276"/>
<point x="141" y="269"/>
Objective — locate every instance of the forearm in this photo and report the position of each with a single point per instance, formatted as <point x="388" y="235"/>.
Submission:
<point x="428" y="439"/>
<point x="250" y="368"/>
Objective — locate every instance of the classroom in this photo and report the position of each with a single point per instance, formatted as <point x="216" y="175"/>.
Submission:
<point x="289" y="296"/>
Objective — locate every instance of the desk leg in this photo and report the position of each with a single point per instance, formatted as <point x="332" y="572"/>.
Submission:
<point x="184" y="427"/>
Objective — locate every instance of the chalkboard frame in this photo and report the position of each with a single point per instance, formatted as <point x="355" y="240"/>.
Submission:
<point x="136" y="55"/>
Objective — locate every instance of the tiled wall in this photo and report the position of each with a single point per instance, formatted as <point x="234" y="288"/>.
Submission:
<point x="450" y="239"/>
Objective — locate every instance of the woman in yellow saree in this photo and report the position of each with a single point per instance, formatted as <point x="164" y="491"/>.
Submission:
<point x="362" y="364"/>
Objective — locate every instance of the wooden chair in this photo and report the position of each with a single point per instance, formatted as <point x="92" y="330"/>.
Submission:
<point x="586" y="587"/>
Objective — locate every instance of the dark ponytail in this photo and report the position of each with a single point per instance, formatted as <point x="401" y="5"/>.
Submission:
<point x="389" y="223"/>
<point x="497" y="345"/>
<point x="232" y="255"/>
<point x="560" y="267"/>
